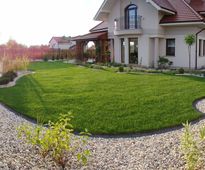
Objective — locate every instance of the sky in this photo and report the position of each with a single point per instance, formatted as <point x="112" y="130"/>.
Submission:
<point x="34" y="22"/>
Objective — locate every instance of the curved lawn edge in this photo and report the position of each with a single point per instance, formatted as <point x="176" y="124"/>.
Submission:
<point x="138" y="109"/>
<point x="124" y="135"/>
<point x="196" y="102"/>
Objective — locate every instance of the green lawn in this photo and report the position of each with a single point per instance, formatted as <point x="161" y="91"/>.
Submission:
<point x="105" y="102"/>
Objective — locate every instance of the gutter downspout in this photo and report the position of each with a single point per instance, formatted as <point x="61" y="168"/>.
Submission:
<point x="196" y="52"/>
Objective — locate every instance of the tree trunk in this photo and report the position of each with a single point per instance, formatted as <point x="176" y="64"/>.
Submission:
<point x="189" y="48"/>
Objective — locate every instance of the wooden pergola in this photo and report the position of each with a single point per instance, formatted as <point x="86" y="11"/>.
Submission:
<point x="101" y="42"/>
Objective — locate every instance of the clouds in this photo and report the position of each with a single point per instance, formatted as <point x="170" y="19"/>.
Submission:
<point x="36" y="21"/>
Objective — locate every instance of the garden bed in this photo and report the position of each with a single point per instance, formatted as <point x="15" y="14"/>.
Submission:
<point x="8" y="77"/>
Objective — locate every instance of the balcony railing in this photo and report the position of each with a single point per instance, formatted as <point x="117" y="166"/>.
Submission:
<point x="130" y="23"/>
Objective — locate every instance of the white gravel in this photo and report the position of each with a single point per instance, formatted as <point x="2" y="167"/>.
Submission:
<point x="158" y="151"/>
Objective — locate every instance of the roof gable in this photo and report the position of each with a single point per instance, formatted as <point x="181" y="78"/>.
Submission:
<point x="174" y="10"/>
<point x="103" y="26"/>
<point x="165" y="5"/>
<point x="185" y="13"/>
<point x="61" y="40"/>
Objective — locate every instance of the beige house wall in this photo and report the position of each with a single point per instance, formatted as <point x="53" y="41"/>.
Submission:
<point x="63" y="46"/>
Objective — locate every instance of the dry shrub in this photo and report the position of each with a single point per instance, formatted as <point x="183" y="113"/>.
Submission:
<point x="13" y="64"/>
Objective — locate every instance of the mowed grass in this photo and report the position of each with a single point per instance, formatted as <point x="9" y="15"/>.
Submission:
<point x="105" y="102"/>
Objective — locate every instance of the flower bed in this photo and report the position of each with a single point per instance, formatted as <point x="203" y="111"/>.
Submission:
<point x="7" y="77"/>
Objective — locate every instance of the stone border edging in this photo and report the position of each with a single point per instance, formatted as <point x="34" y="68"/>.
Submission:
<point x="130" y="135"/>
<point x="160" y="131"/>
<point x="195" y="104"/>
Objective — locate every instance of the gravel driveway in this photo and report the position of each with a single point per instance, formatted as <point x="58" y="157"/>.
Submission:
<point x="159" y="151"/>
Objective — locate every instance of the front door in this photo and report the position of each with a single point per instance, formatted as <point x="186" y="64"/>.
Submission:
<point x="133" y="50"/>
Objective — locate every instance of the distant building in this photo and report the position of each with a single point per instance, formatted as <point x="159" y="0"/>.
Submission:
<point x="62" y="43"/>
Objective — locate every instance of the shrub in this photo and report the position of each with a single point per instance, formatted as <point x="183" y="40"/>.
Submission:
<point x="116" y="64"/>
<point x="14" y="64"/>
<point x="97" y="67"/>
<point x="7" y="77"/>
<point x="203" y="73"/>
<point x="190" y="149"/>
<point x="21" y="63"/>
<point x="163" y="63"/>
<point x="10" y="74"/>
<point x="57" y="140"/>
<point x="193" y="147"/>
<point x="121" y="69"/>
<point x="4" y="80"/>
<point x="181" y="71"/>
<point x="45" y="58"/>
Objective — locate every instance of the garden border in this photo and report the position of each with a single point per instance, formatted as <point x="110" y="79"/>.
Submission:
<point x="129" y="135"/>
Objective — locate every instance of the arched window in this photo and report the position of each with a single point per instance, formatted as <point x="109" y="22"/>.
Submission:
<point x="131" y="17"/>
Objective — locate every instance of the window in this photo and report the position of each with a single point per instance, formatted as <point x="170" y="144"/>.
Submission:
<point x="201" y="48"/>
<point x="170" y="47"/>
<point x="131" y="17"/>
<point x="133" y="50"/>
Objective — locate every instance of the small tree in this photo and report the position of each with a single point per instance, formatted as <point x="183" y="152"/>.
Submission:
<point x="189" y="40"/>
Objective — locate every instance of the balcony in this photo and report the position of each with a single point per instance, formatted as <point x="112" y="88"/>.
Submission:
<point x="128" y="26"/>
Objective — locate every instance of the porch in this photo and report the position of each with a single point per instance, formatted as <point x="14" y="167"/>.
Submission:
<point x="99" y="52"/>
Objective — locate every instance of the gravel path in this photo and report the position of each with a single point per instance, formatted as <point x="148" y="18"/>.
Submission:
<point x="159" y="151"/>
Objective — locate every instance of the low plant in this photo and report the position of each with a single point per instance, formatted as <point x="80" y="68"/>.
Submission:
<point x="181" y="71"/>
<point x="121" y="69"/>
<point x="45" y="58"/>
<point x="193" y="147"/>
<point x="97" y="67"/>
<point x="7" y="77"/>
<point x="116" y="64"/>
<point x="164" y="63"/>
<point x="57" y="140"/>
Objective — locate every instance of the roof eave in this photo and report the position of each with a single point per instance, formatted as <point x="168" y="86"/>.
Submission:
<point x="182" y="23"/>
<point x="100" y="10"/>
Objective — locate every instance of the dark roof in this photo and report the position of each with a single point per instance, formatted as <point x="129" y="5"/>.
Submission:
<point x="198" y="5"/>
<point x="103" y="26"/>
<point x="90" y="36"/>
<point x="165" y="5"/>
<point x="184" y="13"/>
<point x="62" y="39"/>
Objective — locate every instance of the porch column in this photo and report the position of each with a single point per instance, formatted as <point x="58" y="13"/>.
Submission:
<point x="126" y="51"/>
<point x="112" y="50"/>
<point x="156" y="52"/>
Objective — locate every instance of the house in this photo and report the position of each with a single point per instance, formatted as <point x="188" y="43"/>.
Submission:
<point x="61" y="43"/>
<point x="142" y="30"/>
<point x="99" y="36"/>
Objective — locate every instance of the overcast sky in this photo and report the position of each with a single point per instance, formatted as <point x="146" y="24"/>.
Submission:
<point x="34" y="22"/>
